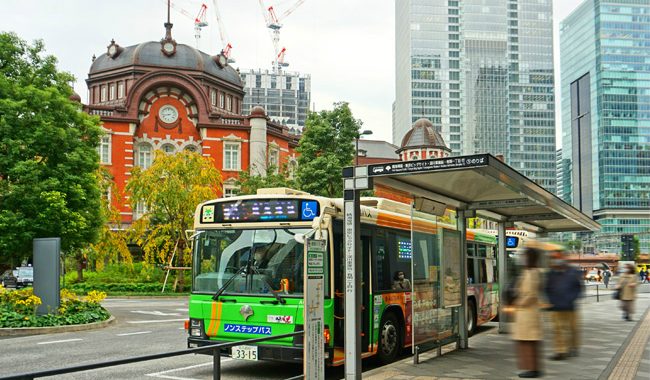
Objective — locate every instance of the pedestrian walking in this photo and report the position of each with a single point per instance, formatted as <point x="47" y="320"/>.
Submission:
<point x="563" y="288"/>
<point x="643" y="275"/>
<point x="527" y="329"/>
<point x="627" y="291"/>
<point x="607" y="274"/>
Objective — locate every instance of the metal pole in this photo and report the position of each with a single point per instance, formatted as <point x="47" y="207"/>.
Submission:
<point x="503" y="274"/>
<point x="352" y="285"/>
<point x="216" y="364"/>
<point x="356" y="152"/>
<point x="462" y="318"/>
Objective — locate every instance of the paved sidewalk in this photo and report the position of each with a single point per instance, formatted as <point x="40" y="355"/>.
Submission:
<point x="611" y="349"/>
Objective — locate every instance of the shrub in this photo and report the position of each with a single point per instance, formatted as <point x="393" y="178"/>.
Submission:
<point x="18" y="309"/>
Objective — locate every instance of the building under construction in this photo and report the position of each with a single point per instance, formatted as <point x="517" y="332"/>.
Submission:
<point x="284" y="95"/>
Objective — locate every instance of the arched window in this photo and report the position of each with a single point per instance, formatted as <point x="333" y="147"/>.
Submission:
<point x="192" y="148"/>
<point x="168" y="149"/>
<point x="292" y="166"/>
<point x="143" y="155"/>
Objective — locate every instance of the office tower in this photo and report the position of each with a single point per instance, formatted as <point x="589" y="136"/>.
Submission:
<point x="284" y="95"/>
<point x="482" y="72"/>
<point x="605" y="64"/>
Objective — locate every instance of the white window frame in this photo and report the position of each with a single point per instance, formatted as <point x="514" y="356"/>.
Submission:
<point x="120" y="89"/>
<point x="111" y="91"/>
<point x="230" y="147"/>
<point x="222" y="100"/>
<point x="274" y="158"/>
<point x="229" y="190"/>
<point x="140" y="155"/>
<point x="229" y="103"/>
<point x="139" y="211"/>
<point x="102" y="93"/>
<point x="213" y="97"/>
<point x="192" y="148"/>
<point x="104" y="149"/>
<point x="168" y="145"/>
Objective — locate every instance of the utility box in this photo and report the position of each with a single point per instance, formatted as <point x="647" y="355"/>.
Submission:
<point x="47" y="258"/>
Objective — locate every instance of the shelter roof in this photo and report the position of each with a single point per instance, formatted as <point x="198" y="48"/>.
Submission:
<point x="484" y="184"/>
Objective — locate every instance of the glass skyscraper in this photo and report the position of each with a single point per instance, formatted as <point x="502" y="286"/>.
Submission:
<point x="482" y="71"/>
<point x="605" y="64"/>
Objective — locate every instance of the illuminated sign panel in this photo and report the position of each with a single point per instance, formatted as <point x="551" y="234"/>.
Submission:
<point x="512" y="241"/>
<point x="260" y="210"/>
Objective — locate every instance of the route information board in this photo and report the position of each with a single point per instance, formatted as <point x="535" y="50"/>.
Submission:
<point x="314" y="342"/>
<point x="427" y="165"/>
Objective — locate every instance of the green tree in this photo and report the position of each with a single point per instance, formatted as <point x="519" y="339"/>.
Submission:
<point x="249" y="183"/>
<point x="326" y="147"/>
<point x="170" y="190"/>
<point x="112" y="245"/>
<point x="48" y="157"/>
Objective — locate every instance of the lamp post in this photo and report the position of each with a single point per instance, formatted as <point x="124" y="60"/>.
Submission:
<point x="356" y="152"/>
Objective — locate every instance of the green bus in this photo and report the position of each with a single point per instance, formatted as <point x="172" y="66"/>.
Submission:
<point x="247" y="274"/>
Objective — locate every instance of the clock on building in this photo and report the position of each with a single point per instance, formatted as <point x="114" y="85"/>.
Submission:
<point x="221" y="60"/>
<point x="114" y="49"/>
<point x="168" y="47"/>
<point x="168" y="114"/>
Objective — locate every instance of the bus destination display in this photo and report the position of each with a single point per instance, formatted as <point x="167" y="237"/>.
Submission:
<point x="260" y="210"/>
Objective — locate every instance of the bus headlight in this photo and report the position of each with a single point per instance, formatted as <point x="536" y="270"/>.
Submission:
<point x="196" y="327"/>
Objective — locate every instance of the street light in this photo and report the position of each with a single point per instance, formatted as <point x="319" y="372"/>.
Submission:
<point x="363" y="133"/>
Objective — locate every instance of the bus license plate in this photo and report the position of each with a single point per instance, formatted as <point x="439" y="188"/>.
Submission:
<point x="244" y="352"/>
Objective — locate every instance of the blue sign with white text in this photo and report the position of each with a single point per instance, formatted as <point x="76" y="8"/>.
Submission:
<point x="247" y="329"/>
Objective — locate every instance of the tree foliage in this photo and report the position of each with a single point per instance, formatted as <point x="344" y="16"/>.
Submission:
<point x="170" y="190"/>
<point x="249" y="183"/>
<point x="326" y="147"/>
<point x="48" y="158"/>
<point x="112" y="245"/>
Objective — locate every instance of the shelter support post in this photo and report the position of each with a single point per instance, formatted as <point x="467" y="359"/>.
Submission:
<point x="352" y="231"/>
<point x="503" y="274"/>
<point x="462" y="315"/>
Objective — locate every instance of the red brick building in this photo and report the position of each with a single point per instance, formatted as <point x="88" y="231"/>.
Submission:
<point x="171" y="97"/>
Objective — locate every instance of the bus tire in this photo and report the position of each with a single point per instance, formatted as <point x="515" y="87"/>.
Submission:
<point x="471" y="317"/>
<point x="390" y="338"/>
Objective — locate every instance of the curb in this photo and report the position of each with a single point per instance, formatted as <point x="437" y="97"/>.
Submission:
<point x="23" y="331"/>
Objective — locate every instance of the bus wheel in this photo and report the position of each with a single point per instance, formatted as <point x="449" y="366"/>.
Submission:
<point x="390" y="340"/>
<point x="471" y="317"/>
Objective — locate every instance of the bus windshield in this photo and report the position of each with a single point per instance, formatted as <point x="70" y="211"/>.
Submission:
<point x="258" y="261"/>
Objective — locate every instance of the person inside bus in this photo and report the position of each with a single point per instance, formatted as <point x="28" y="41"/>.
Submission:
<point x="527" y="330"/>
<point x="400" y="282"/>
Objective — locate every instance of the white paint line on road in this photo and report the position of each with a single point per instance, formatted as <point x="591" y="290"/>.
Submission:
<point x="185" y="310"/>
<point x="181" y="328"/>
<point x="163" y="376"/>
<point x="155" y="312"/>
<point x="157" y="321"/>
<point x="61" y="341"/>
<point x="134" y="333"/>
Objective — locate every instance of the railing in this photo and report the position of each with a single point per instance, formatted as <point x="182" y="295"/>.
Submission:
<point x="216" y="357"/>
<point x="599" y="292"/>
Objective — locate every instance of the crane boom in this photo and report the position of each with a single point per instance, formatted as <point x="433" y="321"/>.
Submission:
<point x="273" y="23"/>
<point x="225" y="40"/>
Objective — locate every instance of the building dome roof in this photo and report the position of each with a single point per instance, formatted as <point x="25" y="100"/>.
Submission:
<point x="75" y="97"/>
<point x="423" y="134"/>
<point x="258" y="111"/>
<point x="150" y="54"/>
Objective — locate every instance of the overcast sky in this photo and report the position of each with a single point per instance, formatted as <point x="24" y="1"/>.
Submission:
<point x="346" y="45"/>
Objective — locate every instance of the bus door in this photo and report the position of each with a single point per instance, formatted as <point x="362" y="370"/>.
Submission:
<point x="366" y="309"/>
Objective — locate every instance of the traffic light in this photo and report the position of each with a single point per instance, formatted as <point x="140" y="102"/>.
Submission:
<point x="627" y="251"/>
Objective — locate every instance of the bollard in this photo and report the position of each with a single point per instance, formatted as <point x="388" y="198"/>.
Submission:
<point x="216" y="364"/>
<point x="597" y="294"/>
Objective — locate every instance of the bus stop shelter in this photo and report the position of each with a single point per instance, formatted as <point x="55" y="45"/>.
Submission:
<point x="477" y="185"/>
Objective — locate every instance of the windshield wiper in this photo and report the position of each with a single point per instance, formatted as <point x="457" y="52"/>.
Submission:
<point x="224" y="286"/>
<point x="268" y="282"/>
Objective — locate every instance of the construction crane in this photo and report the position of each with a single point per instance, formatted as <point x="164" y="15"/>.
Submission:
<point x="199" y="21"/>
<point x="273" y="22"/>
<point x="227" y="46"/>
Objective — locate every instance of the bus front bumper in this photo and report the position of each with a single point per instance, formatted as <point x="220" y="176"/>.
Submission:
<point x="287" y="354"/>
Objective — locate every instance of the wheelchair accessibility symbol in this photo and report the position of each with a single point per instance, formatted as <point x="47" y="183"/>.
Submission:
<point x="309" y="210"/>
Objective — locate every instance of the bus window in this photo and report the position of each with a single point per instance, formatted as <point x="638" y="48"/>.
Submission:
<point x="482" y="251"/>
<point x="471" y="277"/>
<point x="382" y="263"/>
<point x="471" y="250"/>
<point x="482" y="273"/>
